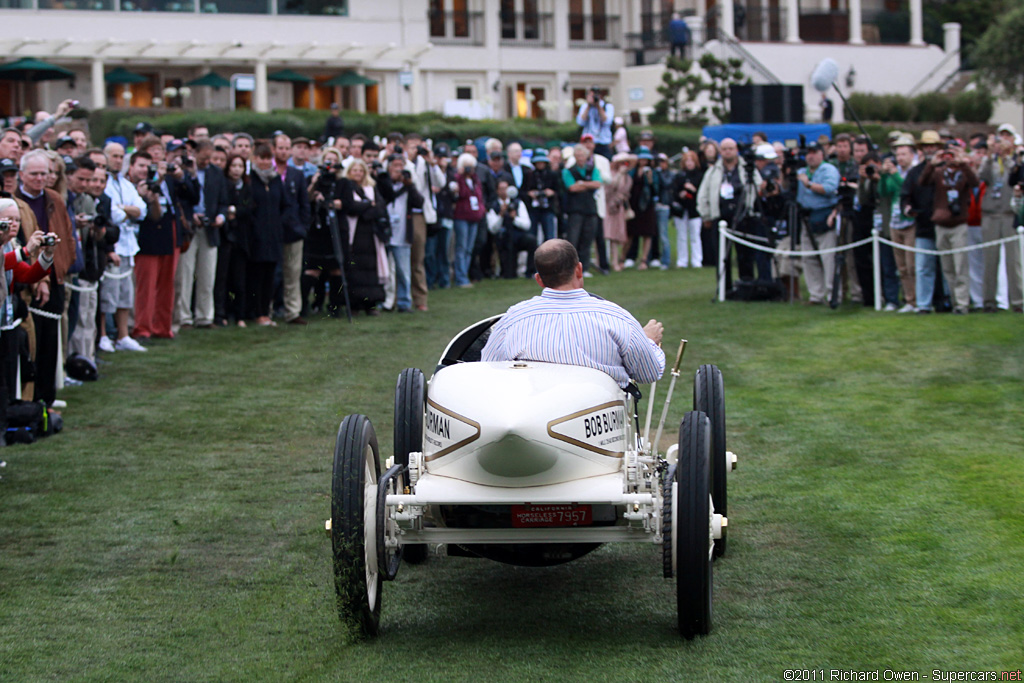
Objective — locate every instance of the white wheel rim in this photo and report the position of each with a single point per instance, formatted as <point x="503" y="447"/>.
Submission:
<point x="370" y="527"/>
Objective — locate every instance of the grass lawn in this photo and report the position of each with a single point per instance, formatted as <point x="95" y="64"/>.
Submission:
<point x="174" y="531"/>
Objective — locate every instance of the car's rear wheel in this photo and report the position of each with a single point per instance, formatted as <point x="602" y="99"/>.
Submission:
<point x="691" y="526"/>
<point x="410" y="396"/>
<point x="709" y="398"/>
<point x="357" y="580"/>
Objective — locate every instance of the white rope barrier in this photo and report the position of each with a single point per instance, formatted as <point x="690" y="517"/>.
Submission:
<point x="107" y="275"/>
<point x="876" y="240"/>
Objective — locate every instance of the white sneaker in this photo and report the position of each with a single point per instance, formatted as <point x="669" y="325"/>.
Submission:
<point x="655" y="263"/>
<point x="129" y="344"/>
<point x="907" y="308"/>
<point x="58" y="404"/>
<point x="106" y="344"/>
<point x="587" y="273"/>
<point x="680" y="264"/>
<point x="890" y="307"/>
<point x="628" y="263"/>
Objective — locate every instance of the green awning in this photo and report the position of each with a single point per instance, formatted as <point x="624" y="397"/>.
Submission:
<point x="28" y="69"/>
<point x="211" y="80"/>
<point x="350" y="78"/>
<point x="289" y="76"/>
<point x="121" y="76"/>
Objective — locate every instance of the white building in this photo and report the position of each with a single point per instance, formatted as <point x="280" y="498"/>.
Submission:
<point x="503" y="58"/>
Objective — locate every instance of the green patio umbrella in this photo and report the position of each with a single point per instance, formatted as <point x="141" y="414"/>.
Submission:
<point x="350" y="78"/>
<point x="33" y="70"/>
<point x="289" y="76"/>
<point x="211" y="80"/>
<point x="121" y="76"/>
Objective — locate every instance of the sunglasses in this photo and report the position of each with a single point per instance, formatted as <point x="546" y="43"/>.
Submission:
<point x="25" y="145"/>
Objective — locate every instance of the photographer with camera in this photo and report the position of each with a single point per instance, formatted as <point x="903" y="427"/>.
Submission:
<point x="950" y="174"/>
<point x="319" y="260"/>
<point x="403" y="199"/>
<point x="817" y="195"/>
<point x="166" y="227"/>
<point x="428" y="178"/>
<point x="1002" y="174"/>
<point x="98" y="238"/>
<point x="683" y="208"/>
<point x="901" y="228"/>
<point x="596" y="116"/>
<point x="52" y="217"/>
<point x="726" y="188"/>
<point x="197" y="266"/>
<point x="510" y="221"/>
<point x="290" y="296"/>
<point x="542" y="191"/>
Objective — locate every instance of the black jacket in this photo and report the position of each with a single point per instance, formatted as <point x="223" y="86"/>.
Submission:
<point x="919" y="198"/>
<point x="96" y="251"/>
<point x="298" y="197"/>
<point x="215" y="200"/>
<point x="159" y="236"/>
<point x="271" y="212"/>
<point x="389" y="194"/>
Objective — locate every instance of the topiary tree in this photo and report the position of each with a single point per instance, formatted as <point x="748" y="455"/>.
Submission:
<point x="973" y="106"/>
<point x="680" y="80"/>
<point x="996" y="57"/>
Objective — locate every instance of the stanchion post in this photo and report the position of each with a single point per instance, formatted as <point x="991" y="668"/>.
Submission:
<point x="1020" y="246"/>
<point x="722" y="226"/>
<point x="876" y="257"/>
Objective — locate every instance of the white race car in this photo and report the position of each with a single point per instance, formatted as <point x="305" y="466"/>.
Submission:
<point x="531" y="464"/>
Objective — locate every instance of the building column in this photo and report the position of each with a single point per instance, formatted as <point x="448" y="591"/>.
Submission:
<point x="793" y="21"/>
<point x="727" y="22"/>
<point x="99" y="86"/>
<point x="360" y="93"/>
<point x="259" y="96"/>
<point x="492" y="25"/>
<point x="566" y="109"/>
<point x="415" y="89"/>
<point x="916" y="23"/>
<point x="951" y="38"/>
<point x="856" y="31"/>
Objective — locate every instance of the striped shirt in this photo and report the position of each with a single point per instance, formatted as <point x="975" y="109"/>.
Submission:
<point x="574" y="328"/>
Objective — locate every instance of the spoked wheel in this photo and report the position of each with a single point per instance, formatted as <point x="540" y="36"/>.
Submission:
<point x="357" y="579"/>
<point x="691" y="526"/>
<point x="410" y="396"/>
<point x="709" y="398"/>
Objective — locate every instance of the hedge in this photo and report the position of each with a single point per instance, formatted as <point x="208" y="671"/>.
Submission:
<point x="974" y="106"/>
<point x="310" y="123"/>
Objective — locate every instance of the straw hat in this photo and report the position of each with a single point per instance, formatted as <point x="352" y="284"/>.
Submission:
<point x="930" y="137"/>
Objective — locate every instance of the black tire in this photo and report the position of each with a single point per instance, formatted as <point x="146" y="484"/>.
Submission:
<point x="709" y="398"/>
<point x="410" y="397"/>
<point x="357" y="582"/>
<point x="692" y="520"/>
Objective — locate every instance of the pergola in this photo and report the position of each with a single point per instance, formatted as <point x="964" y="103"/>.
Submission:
<point x="256" y="55"/>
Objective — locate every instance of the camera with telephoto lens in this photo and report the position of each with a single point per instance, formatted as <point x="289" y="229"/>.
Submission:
<point x="422" y="151"/>
<point x="49" y="239"/>
<point x="870" y="170"/>
<point x="5" y="225"/>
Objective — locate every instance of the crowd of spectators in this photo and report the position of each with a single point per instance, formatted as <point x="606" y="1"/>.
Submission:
<point x="164" y="234"/>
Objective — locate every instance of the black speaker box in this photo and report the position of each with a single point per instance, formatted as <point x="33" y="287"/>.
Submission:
<point x="766" y="104"/>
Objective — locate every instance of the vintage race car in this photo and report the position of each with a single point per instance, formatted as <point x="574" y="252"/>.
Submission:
<point x="531" y="464"/>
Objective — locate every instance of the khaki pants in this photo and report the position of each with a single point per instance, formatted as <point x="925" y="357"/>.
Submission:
<point x="905" y="262"/>
<point x="419" y="271"/>
<point x="291" y="274"/>
<point x="819" y="270"/>
<point x="954" y="266"/>
<point x="994" y="227"/>
<point x="197" y="269"/>
<point x="83" y="341"/>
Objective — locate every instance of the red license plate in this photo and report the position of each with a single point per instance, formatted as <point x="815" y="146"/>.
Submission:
<point x="551" y="515"/>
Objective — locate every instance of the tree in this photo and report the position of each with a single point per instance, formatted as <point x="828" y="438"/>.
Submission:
<point x="680" y="80"/>
<point x="996" y="57"/>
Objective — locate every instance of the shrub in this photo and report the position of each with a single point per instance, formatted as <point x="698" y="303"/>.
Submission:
<point x="868" y="106"/>
<point x="932" y="107"/>
<point x="310" y="123"/>
<point x="899" y="108"/>
<point x="973" y="106"/>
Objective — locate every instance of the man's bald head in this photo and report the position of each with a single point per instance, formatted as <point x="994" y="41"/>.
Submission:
<point x="556" y="262"/>
<point x="728" y="149"/>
